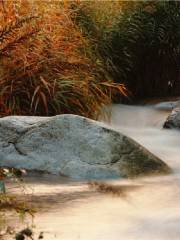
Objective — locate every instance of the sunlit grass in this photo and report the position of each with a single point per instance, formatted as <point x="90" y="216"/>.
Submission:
<point x="46" y="65"/>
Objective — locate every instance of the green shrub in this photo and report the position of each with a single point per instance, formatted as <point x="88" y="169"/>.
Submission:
<point x="96" y="20"/>
<point x="145" y="47"/>
<point x="137" y="41"/>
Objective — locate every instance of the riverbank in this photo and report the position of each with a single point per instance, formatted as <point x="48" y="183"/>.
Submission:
<point x="69" y="210"/>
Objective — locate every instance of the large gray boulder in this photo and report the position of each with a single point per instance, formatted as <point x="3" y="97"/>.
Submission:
<point x="73" y="146"/>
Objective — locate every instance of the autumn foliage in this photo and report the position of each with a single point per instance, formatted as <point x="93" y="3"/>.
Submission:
<point x="46" y="67"/>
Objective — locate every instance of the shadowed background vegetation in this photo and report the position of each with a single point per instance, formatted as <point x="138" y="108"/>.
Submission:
<point x="139" y="42"/>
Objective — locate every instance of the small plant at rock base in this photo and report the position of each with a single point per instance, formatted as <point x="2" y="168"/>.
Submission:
<point x="10" y="202"/>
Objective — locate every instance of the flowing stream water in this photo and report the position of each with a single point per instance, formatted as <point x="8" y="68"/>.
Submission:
<point x="151" y="211"/>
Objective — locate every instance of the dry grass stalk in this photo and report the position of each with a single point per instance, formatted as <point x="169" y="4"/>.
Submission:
<point x="115" y="190"/>
<point x="45" y="65"/>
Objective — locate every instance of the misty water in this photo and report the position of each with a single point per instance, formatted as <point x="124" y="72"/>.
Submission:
<point x="71" y="211"/>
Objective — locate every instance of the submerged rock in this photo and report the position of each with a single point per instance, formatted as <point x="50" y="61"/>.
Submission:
<point x="73" y="146"/>
<point x="165" y="106"/>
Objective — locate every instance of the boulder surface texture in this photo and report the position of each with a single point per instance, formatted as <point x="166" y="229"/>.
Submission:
<point x="173" y="120"/>
<point x="73" y="146"/>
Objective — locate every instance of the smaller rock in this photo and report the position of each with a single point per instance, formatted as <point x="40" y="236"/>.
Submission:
<point x="173" y="120"/>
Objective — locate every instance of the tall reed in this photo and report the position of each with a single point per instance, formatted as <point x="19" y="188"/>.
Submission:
<point x="46" y="64"/>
